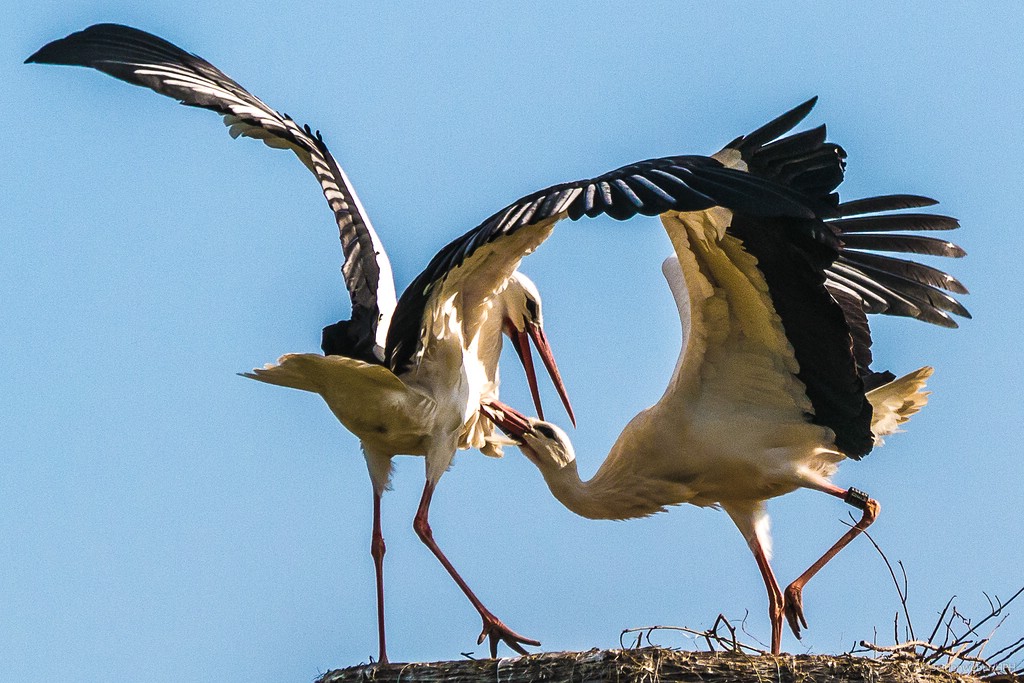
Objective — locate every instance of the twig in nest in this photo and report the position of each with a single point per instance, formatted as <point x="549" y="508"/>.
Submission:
<point x="960" y="652"/>
<point x="910" y="648"/>
<point x="960" y="641"/>
<point x="714" y="630"/>
<point x="899" y="647"/>
<point x="941" y="617"/>
<point x="956" y="649"/>
<point x="903" y="591"/>
<point x="710" y="636"/>
<point x="1016" y="647"/>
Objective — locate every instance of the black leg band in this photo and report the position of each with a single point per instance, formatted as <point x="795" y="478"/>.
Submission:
<point x="856" y="498"/>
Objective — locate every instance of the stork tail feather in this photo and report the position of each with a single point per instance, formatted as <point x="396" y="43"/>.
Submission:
<point x="289" y="373"/>
<point x="894" y="403"/>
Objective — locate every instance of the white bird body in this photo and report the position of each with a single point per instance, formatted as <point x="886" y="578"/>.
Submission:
<point x="427" y="401"/>
<point x="730" y="430"/>
<point x="734" y="376"/>
<point x="433" y="408"/>
<point x="410" y="376"/>
<point x="773" y="387"/>
<point x="483" y="326"/>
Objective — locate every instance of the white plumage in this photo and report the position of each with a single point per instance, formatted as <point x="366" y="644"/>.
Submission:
<point x="430" y="405"/>
<point x="730" y="429"/>
<point x="772" y="277"/>
<point x="738" y="423"/>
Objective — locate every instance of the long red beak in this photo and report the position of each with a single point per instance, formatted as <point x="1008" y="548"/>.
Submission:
<point x="507" y="418"/>
<point x="540" y="340"/>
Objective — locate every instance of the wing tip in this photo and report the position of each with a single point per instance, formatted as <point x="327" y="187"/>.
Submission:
<point x="60" y="51"/>
<point x="54" y="51"/>
<point x="40" y="56"/>
<point x="775" y="128"/>
<point x="806" y="107"/>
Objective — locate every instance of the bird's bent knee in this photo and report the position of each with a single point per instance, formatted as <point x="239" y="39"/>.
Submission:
<point x="422" y="528"/>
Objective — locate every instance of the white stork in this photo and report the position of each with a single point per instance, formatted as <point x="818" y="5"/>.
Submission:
<point x="773" y="386"/>
<point x="427" y="405"/>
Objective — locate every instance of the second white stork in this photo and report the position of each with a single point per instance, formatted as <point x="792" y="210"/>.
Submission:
<point x="427" y="406"/>
<point x="773" y="386"/>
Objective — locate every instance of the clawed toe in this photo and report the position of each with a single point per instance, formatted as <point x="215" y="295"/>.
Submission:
<point x="495" y="631"/>
<point x="794" y="608"/>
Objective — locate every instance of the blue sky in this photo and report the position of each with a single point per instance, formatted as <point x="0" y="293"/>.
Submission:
<point x="163" y="519"/>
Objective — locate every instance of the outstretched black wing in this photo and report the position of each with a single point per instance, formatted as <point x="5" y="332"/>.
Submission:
<point x="823" y="278"/>
<point x="482" y="259"/>
<point x="891" y="285"/>
<point x="804" y="161"/>
<point x="146" y="60"/>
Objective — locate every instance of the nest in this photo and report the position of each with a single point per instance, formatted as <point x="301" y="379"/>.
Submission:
<point x="656" y="665"/>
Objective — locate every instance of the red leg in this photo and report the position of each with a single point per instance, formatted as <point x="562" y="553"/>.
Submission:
<point x="377" y="550"/>
<point x="493" y="628"/>
<point x="775" y="600"/>
<point x="794" y="593"/>
<point x="752" y="521"/>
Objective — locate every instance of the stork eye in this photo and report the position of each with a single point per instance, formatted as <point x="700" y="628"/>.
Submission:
<point x="531" y="308"/>
<point x="545" y="431"/>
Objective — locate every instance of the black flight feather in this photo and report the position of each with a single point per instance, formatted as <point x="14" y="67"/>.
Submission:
<point x="146" y="60"/>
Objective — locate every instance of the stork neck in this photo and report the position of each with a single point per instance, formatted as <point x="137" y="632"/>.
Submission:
<point x="596" y="498"/>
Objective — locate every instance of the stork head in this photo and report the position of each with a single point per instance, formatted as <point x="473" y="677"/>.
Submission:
<point x="544" y="443"/>
<point x="523" y="321"/>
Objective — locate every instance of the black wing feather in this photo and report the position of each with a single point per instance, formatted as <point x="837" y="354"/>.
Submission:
<point x="894" y="223"/>
<point x="912" y="270"/>
<point x="923" y="296"/>
<point x="804" y="162"/>
<point x="146" y="60"/>
<point x="810" y="284"/>
<point x="909" y="288"/>
<point x="751" y="142"/>
<point x="908" y="244"/>
<point x="857" y="321"/>
<point x="889" y="202"/>
<point x="686" y="183"/>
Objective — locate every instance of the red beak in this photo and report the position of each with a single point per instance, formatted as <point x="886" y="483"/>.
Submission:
<point x="520" y="342"/>
<point x="507" y="418"/>
<point x="540" y="340"/>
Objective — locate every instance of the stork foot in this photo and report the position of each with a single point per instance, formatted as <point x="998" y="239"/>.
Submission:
<point x="794" y="608"/>
<point x="494" y="630"/>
